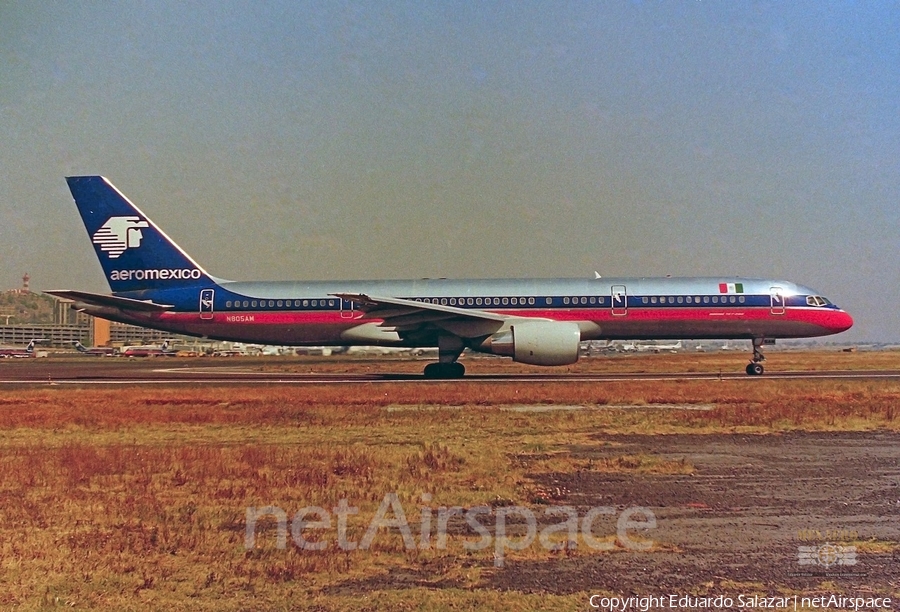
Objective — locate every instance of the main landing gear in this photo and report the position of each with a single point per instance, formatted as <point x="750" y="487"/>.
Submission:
<point x="449" y="350"/>
<point x="755" y="367"/>
<point x="445" y="370"/>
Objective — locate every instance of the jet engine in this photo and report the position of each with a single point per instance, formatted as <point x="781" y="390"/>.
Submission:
<point x="545" y="343"/>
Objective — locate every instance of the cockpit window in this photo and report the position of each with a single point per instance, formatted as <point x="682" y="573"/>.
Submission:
<point x="817" y="300"/>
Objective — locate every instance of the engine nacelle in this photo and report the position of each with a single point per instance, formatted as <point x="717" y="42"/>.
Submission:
<point x="545" y="343"/>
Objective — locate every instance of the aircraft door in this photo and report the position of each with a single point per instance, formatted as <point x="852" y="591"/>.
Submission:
<point x="619" y="297"/>
<point x="348" y="309"/>
<point x="206" y="303"/>
<point x="776" y="296"/>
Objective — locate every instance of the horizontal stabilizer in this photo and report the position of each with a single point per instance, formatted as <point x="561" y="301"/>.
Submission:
<point x="98" y="299"/>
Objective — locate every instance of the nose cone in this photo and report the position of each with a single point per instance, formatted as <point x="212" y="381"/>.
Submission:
<point x="839" y="321"/>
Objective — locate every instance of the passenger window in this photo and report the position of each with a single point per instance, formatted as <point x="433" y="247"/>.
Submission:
<point x="506" y="301"/>
<point x="732" y="299"/>
<point x="246" y="304"/>
<point x="715" y="299"/>
<point x="584" y="300"/>
<point x="653" y="299"/>
<point x="478" y="301"/>
<point x="228" y="304"/>
<point x="680" y="300"/>
<point x="741" y="299"/>
<point x="531" y="301"/>
<point x="688" y="299"/>
<point x="280" y="303"/>
<point x="706" y="299"/>
<point x="514" y="301"/>
<point x="314" y="303"/>
<point x="496" y="301"/>
<point x="549" y="301"/>
<point x="565" y="300"/>
<point x="593" y="300"/>
<point x="306" y="303"/>
<point x="644" y="300"/>
<point x="253" y="303"/>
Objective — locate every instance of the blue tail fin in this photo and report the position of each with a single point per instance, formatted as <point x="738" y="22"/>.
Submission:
<point x="134" y="253"/>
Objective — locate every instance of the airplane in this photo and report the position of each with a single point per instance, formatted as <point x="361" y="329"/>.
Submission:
<point x="148" y="350"/>
<point x="156" y="284"/>
<point x="93" y="351"/>
<point x="656" y="348"/>
<point x="16" y="352"/>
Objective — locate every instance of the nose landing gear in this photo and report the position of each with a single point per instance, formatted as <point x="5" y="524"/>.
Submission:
<point x="755" y="367"/>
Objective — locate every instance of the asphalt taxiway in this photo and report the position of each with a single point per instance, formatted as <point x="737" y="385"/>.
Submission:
<point x="157" y="372"/>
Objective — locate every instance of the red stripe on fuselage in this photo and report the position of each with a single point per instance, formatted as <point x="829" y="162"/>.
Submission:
<point x="830" y="320"/>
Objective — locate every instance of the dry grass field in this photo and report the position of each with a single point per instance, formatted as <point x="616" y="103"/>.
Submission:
<point x="133" y="498"/>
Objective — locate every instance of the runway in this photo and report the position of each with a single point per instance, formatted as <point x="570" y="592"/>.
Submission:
<point x="98" y="372"/>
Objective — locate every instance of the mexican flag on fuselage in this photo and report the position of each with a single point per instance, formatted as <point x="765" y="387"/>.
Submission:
<point x="731" y="287"/>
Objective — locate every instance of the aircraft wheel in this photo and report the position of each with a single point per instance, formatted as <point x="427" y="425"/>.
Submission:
<point x="755" y="369"/>
<point x="444" y="370"/>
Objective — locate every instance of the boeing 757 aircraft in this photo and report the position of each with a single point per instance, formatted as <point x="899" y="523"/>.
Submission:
<point x="536" y="321"/>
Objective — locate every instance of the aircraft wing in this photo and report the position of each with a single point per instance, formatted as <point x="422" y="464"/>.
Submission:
<point x="411" y="316"/>
<point x="99" y="299"/>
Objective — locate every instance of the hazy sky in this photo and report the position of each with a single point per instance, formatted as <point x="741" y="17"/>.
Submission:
<point x="330" y="140"/>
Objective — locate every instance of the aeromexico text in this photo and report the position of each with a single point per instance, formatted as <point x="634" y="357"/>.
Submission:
<point x="158" y="274"/>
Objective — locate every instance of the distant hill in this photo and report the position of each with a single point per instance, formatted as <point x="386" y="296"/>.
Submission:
<point x="26" y="308"/>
